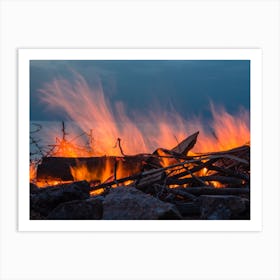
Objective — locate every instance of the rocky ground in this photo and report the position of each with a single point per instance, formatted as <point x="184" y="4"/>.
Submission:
<point x="73" y="202"/>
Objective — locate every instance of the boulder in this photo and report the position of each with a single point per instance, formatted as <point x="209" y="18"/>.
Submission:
<point x="48" y="198"/>
<point x="128" y="203"/>
<point x="189" y="210"/>
<point x="224" y="207"/>
<point x="36" y="216"/>
<point x="33" y="188"/>
<point x="89" y="209"/>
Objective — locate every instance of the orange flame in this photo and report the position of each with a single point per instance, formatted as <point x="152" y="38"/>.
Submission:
<point x="32" y="172"/>
<point x="228" y="131"/>
<point x="82" y="172"/>
<point x="90" y="111"/>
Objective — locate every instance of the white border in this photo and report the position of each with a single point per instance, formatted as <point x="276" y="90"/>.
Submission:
<point x="254" y="55"/>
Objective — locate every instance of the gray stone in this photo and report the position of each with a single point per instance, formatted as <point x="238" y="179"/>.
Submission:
<point x="223" y="207"/>
<point x="33" y="188"/>
<point x="189" y="209"/>
<point x="128" y="203"/>
<point x="89" y="209"/>
<point x="50" y="197"/>
<point x="36" y="216"/>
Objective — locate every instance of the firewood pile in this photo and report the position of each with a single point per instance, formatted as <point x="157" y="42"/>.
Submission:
<point x="167" y="184"/>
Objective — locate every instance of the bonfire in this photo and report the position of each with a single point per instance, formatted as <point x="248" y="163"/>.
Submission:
<point x="198" y="173"/>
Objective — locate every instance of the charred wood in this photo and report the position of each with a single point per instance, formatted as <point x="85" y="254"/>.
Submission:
<point x="197" y="191"/>
<point x="59" y="168"/>
<point x="220" y="179"/>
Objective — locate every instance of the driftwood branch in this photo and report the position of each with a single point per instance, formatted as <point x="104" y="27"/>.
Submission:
<point x="186" y="145"/>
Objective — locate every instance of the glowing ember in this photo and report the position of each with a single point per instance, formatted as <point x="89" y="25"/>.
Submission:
<point x="217" y="184"/>
<point x="50" y="182"/>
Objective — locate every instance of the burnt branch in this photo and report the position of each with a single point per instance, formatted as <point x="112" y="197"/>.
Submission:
<point x="118" y="144"/>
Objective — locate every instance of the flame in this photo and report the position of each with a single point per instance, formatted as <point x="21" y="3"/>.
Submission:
<point x="89" y="109"/>
<point x="32" y="172"/>
<point x="97" y="192"/>
<point x="69" y="149"/>
<point x="82" y="172"/>
<point x="50" y="183"/>
<point x="204" y="171"/>
<point x="165" y="160"/>
<point x="91" y="112"/>
<point x="106" y="173"/>
<point x="217" y="184"/>
<point x="228" y="131"/>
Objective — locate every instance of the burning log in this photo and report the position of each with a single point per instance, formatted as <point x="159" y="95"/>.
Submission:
<point x="56" y="168"/>
<point x="61" y="168"/>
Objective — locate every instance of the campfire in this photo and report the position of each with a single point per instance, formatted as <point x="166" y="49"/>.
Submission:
<point x="158" y="167"/>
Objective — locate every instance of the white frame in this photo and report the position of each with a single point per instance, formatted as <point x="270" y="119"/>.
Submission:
<point x="254" y="55"/>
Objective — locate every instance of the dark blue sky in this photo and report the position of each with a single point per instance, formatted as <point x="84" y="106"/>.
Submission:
<point x="188" y="85"/>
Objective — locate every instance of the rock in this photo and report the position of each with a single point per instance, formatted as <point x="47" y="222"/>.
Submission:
<point x="189" y="210"/>
<point x="223" y="207"/>
<point x="34" y="188"/>
<point x="89" y="209"/>
<point x="36" y="216"/>
<point x="128" y="203"/>
<point x="50" y="197"/>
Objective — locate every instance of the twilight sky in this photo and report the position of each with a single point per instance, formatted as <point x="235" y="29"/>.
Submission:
<point x="187" y="85"/>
